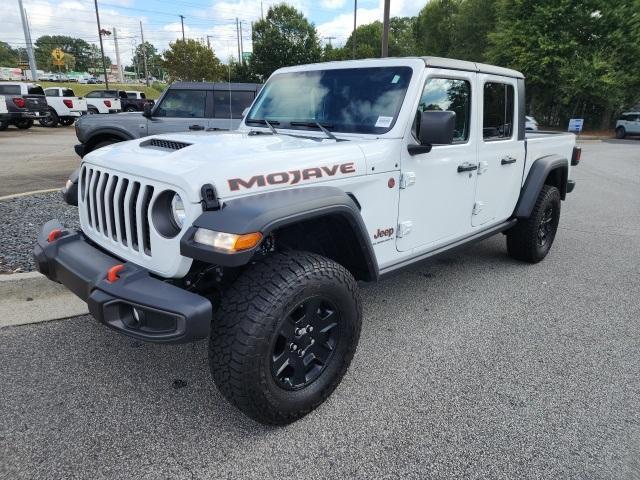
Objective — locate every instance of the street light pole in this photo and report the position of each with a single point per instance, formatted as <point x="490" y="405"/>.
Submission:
<point x="144" y="56"/>
<point x="385" y="30"/>
<point x="104" y="65"/>
<point x="27" y="39"/>
<point x="355" y="13"/>
<point x="182" y="23"/>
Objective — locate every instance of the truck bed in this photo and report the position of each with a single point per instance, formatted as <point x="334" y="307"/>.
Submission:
<point x="541" y="144"/>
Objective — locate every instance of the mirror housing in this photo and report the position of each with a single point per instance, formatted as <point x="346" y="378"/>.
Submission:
<point x="146" y="110"/>
<point x="434" y="128"/>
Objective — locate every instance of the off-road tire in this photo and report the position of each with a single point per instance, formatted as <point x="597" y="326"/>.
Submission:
<point x="67" y="121"/>
<point x="621" y="132"/>
<point x="93" y="111"/>
<point x="23" y="124"/>
<point x="249" y="321"/>
<point x="523" y="240"/>
<point x="51" y="121"/>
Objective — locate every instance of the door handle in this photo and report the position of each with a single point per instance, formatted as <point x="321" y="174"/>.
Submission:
<point x="507" y="161"/>
<point x="196" y="127"/>
<point x="467" y="167"/>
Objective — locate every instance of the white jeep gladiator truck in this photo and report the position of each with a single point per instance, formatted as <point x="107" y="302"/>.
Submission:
<point x="339" y="173"/>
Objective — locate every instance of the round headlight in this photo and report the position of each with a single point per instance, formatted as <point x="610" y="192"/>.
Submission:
<point x="178" y="211"/>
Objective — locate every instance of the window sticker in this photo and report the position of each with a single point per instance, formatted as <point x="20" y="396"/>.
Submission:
<point x="384" y="122"/>
<point x="396" y="79"/>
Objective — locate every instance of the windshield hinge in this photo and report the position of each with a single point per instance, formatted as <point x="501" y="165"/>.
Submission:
<point x="209" y="198"/>
<point x="407" y="179"/>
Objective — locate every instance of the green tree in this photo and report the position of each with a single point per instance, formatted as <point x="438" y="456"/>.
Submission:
<point x="191" y="61"/>
<point x="8" y="56"/>
<point x="86" y="55"/>
<point x="241" y="72"/>
<point x="435" y="27"/>
<point x="285" y="37"/>
<point x="154" y="60"/>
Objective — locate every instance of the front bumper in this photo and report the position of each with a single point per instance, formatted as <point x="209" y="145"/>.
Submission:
<point x="136" y="304"/>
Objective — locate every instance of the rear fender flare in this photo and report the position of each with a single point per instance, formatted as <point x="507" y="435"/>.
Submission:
<point x="536" y="179"/>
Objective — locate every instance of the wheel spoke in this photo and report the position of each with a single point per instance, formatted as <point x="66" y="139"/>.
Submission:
<point x="280" y="363"/>
<point x="299" y="371"/>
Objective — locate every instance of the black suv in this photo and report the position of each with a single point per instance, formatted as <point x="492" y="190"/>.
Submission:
<point x="26" y="102"/>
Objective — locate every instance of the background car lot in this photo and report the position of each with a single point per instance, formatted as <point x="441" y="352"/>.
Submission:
<point x="474" y="366"/>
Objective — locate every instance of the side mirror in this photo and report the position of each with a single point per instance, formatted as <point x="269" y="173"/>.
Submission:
<point x="146" y="110"/>
<point x="434" y="128"/>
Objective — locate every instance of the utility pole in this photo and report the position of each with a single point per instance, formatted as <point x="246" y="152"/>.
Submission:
<point x="329" y="40"/>
<point x="385" y="30"/>
<point x="115" y="41"/>
<point x="261" y="11"/>
<point x="27" y="39"/>
<point x="182" y="23"/>
<point x="238" y="38"/>
<point x="355" y="14"/>
<point x="208" y="42"/>
<point x="144" y="56"/>
<point x="241" y="45"/>
<point x="104" y="65"/>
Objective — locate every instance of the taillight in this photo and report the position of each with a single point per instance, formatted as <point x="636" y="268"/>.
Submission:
<point x="20" y="103"/>
<point x="575" y="158"/>
<point x="107" y="103"/>
<point x="68" y="103"/>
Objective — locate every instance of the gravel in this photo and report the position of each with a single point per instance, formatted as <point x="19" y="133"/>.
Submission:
<point x="22" y="219"/>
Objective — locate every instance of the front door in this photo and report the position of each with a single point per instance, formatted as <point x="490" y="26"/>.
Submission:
<point x="181" y="111"/>
<point x="438" y="187"/>
<point x="500" y="154"/>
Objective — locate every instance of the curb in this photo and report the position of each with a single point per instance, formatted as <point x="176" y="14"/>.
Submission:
<point x="32" y="298"/>
<point x="25" y="194"/>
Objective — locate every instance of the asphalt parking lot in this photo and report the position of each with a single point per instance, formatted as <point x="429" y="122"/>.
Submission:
<point x="36" y="159"/>
<point x="475" y="366"/>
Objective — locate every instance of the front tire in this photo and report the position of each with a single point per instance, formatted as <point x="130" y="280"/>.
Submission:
<point x="531" y="239"/>
<point x="51" y="120"/>
<point x="284" y="336"/>
<point x="621" y="132"/>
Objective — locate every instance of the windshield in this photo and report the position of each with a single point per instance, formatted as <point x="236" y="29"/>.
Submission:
<point x="350" y="100"/>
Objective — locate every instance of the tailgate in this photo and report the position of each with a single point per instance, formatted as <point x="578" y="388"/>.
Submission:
<point x="3" y="105"/>
<point x="36" y="103"/>
<point x="79" y="104"/>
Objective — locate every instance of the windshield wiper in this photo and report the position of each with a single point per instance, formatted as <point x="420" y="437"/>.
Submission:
<point x="315" y="123"/>
<point x="266" y="122"/>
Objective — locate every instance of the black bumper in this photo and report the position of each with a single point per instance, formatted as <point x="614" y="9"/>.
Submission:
<point x="136" y="304"/>
<point x="571" y="184"/>
<point x="80" y="149"/>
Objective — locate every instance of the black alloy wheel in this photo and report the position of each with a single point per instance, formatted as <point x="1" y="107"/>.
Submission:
<point x="305" y="344"/>
<point x="545" y="230"/>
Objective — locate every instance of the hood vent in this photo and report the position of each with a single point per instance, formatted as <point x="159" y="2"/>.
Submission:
<point x="164" y="144"/>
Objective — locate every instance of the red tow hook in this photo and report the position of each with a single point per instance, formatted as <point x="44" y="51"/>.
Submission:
<point x="54" y="234"/>
<point x="112" y="273"/>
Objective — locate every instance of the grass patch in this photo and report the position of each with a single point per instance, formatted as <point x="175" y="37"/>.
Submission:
<point x="152" y="92"/>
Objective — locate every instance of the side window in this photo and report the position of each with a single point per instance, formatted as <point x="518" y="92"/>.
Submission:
<point x="10" y="89"/>
<point x="94" y="94"/>
<point x="445" y="94"/>
<point x="142" y="95"/>
<point x="182" y="104"/>
<point x="497" y="121"/>
<point x="67" y="92"/>
<point x="237" y="103"/>
<point x="52" y="92"/>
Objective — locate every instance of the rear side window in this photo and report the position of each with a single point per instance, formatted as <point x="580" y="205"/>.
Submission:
<point x="94" y="94"/>
<point x="10" y="89"/>
<point x="52" y="92"/>
<point x="231" y="104"/>
<point x="67" y="92"/>
<point x="183" y="104"/>
<point x="445" y="94"/>
<point x="35" y="90"/>
<point x="497" y="121"/>
<point x="142" y="95"/>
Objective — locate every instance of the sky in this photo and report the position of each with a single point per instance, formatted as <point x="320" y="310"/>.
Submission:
<point x="161" y="20"/>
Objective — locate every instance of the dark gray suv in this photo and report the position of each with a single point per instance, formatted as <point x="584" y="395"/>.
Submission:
<point x="182" y="107"/>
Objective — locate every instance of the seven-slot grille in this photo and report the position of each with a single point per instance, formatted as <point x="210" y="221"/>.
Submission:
<point x="117" y="207"/>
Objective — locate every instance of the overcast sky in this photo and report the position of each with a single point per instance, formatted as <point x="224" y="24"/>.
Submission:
<point x="161" y="21"/>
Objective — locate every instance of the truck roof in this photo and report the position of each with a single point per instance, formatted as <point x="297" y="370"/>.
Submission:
<point x="433" y="62"/>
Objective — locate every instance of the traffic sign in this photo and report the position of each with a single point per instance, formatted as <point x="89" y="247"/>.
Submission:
<point x="57" y="54"/>
<point x="575" y="125"/>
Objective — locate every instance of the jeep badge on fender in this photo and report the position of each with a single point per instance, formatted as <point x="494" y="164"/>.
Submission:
<point x="258" y="238"/>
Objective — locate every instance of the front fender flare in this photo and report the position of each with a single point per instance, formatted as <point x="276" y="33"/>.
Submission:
<point x="536" y="178"/>
<point x="266" y="212"/>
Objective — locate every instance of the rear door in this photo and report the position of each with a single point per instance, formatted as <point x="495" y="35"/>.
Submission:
<point x="228" y="106"/>
<point x="500" y="154"/>
<point x="634" y="124"/>
<point x="181" y="111"/>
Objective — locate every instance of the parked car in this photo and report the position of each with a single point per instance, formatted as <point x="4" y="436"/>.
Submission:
<point x="64" y="107"/>
<point x="4" y="114"/>
<point x="183" y="106"/>
<point x="531" y="123"/>
<point x="25" y="103"/>
<point x="133" y="100"/>
<point x="103" y="101"/>
<point x="340" y="172"/>
<point x="628" y="124"/>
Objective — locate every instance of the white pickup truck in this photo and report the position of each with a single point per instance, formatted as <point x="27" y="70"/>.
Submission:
<point x="103" y="101"/>
<point x="64" y="107"/>
<point x="340" y="172"/>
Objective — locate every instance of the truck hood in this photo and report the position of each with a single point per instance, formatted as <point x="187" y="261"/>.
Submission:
<point x="236" y="163"/>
